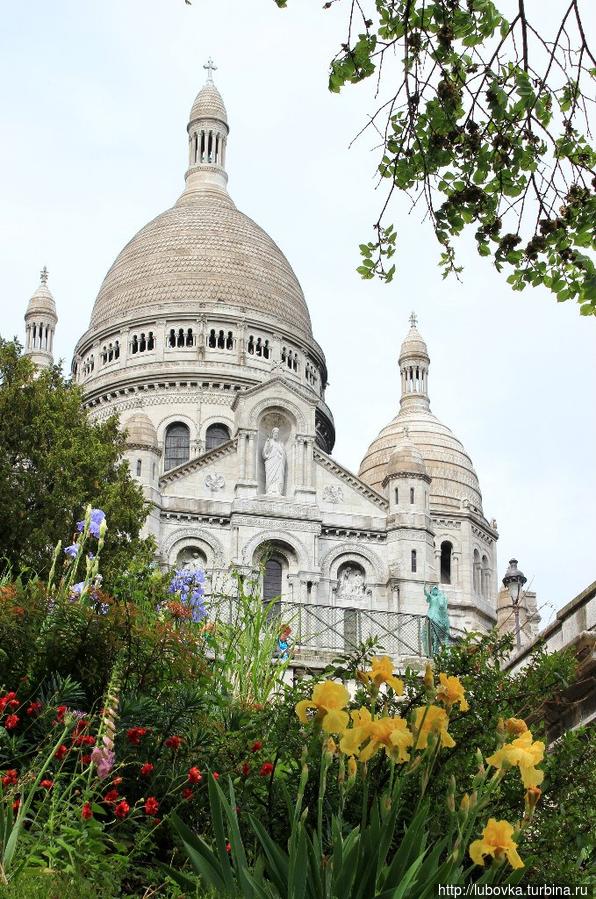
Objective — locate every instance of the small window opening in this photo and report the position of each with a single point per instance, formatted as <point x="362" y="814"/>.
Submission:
<point x="414" y="560"/>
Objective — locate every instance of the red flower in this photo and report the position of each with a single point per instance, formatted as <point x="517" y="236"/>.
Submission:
<point x="11" y="721"/>
<point x="151" y="806"/>
<point x="6" y="699"/>
<point x="85" y="760"/>
<point x="10" y="778"/>
<point x="187" y="793"/>
<point x="174" y="742"/>
<point x="83" y="740"/>
<point x="245" y="769"/>
<point x="34" y="708"/>
<point x="256" y="746"/>
<point x="47" y="784"/>
<point x="13" y="704"/>
<point x="16" y="805"/>
<point x="146" y="769"/>
<point x="194" y="775"/>
<point x="215" y="775"/>
<point x="61" y="752"/>
<point x="116" y="781"/>
<point x="266" y="769"/>
<point x="111" y="796"/>
<point x="228" y="847"/>
<point x="86" y="812"/>
<point x="122" y="809"/>
<point x="80" y="726"/>
<point x="60" y="712"/>
<point x="134" y="735"/>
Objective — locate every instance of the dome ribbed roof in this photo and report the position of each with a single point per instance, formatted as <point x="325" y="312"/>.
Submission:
<point x="140" y="430"/>
<point x="201" y="251"/>
<point x="406" y="459"/>
<point x="447" y="462"/>
<point x="209" y="105"/>
<point x="42" y="300"/>
<point x="413" y="345"/>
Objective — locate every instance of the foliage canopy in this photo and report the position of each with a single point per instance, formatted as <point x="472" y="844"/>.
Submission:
<point x="53" y="461"/>
<point x="484" y="122"/>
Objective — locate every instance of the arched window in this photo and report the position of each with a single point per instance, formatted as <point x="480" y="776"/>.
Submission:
<point x="150" y="341"/>
<point x="411" y="494"/>
<point x="413" y="560"/>
<point x="189" y="340"/>
<point x="212" y="339"/>
<point x="272" y="579"/>
<point x="251" y="345"/>
<point x="397" y="496"/>
<point x="485" y="577"/>
<point x="230" y="341"/>
<point x="477" y="572"/>
<point x="446" y="550"/>
<point x="142" y="344"/>
<point x="216" y="435"/>
<point x="135" y="344"/>
<point x="139" y="468"/>
<point x="177" y="445"/>
<point x="180" y="340"/>
<point x="172" y="337"/>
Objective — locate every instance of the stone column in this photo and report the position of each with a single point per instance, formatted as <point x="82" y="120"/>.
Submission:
<point x="251" y="474"/>
<point x="242" y="453"/>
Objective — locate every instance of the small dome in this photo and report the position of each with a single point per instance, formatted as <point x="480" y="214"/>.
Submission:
<point x="140" y="430"/>
<point x="413" y="345"/>
<point x="406" y="459"/>
<point x="209" y="105"/>
<point x="42" y="300"/>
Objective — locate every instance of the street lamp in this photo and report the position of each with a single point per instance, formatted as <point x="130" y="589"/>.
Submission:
<point x="514" y="580"/>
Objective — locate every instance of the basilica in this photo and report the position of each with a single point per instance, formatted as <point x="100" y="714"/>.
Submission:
<point x="200" y="340"/>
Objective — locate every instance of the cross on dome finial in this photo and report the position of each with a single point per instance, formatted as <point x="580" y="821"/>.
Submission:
<point x="211" y="68"/>
<point x="413" y="319"/>
<point x="44" y="275"/>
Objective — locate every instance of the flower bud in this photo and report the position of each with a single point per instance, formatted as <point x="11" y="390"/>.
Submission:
<point x="531" y="798"/>
<point x="465" y="804"/>
<point x="451" y="802"/>
<point x="352" y="767"/>
<point x="429" y="680"/>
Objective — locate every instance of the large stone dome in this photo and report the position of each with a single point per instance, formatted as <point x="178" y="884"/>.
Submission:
<point x="201" y="251"/>
<point x="454" y="481"/>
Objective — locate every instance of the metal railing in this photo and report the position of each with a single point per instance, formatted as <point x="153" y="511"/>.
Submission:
<point x="324" y="630"/>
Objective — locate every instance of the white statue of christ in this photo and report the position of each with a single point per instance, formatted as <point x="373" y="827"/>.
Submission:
<point x="274" y="454"/>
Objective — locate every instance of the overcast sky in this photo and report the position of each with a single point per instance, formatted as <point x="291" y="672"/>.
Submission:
<point x="95" y="100"/>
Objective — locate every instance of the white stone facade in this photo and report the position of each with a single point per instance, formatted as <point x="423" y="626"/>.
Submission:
<point x="200" y="341"/>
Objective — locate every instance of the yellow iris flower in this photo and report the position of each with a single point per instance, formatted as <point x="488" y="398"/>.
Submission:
<point x="524" y="754"/>
<point x="329" y="700"/>
<point x="382" y="673"/>
<point x="391" y="733"/>
<point x="450" y="691"/>
<point x="497" y="841"/>
<point x="432" y="720"/>
<point x="515" y="726"/>
<point x="353" y="737"/>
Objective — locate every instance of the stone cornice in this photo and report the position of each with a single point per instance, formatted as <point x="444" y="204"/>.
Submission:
<point x="225" y="449"/>
<point x="348" y="478"/>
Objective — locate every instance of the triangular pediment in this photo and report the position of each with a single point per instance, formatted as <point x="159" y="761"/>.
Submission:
<point x="202" y="461"/>
<point x="343" y="474"/>
<point x="278" y="382"/>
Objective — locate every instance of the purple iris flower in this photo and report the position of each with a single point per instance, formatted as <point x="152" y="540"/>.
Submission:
<point x="97" y="516"/>
<point x="71" y="551"/>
